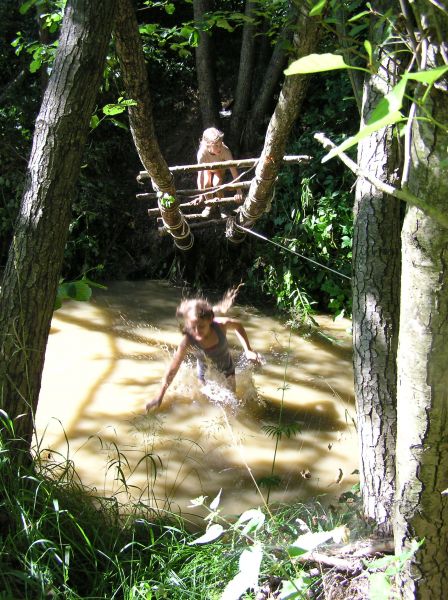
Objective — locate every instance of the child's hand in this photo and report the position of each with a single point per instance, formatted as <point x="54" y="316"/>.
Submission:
<point x="254" y="357"/>
<point x="238" y="196"/>
<point x="153" y="404"/>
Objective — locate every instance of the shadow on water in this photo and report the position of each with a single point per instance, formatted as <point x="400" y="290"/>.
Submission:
<point x="105" y="360"/>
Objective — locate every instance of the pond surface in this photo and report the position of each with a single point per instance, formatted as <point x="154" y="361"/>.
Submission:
<point x="105" y="360"/>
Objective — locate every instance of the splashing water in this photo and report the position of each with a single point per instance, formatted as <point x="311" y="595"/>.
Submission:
<point x="216" y="388"/>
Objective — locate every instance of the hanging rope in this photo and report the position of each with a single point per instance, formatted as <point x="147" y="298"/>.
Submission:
<point x="262" y="237"/>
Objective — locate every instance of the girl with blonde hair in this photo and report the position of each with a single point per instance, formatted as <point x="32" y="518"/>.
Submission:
<point x="205" y="335"/>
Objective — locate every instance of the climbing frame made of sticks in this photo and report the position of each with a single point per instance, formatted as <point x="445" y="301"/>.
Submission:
<point x="215" y="210"/>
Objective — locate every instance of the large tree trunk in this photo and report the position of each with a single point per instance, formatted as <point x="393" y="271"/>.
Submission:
<point x="35" y="258"/>
<point x="205" y="69"/>
<point x="422" y="404"/>
<point x="132" y="61"/>
<point x="286" y="112"/>
<point x="262" y="105"/>
<point x="422" y="395"/>
<point x="245" y="73"/>
<point x="376" y="298"/>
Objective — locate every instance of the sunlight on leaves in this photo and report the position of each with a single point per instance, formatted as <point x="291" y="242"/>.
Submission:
<point x="199" y="501"/>
<point x="316" y="63"/>
<point x="253" y="518"/>
<point x="249" y="564"/>
<point x="212" y="533"/>
<point x="309" y="541"/>
<point x="318" y="8"/>
<point x="215" y="503"/>
<point x="365" y="132"/>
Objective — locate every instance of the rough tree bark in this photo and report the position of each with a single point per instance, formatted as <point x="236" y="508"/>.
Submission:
<point x="260" y="110"/>
<point x="376" y="299"/>
<point x="35" y="258"/>
<point x="286" y="111"/>
<point x="422" y="397"/>
<point x="207" y="87"/>
<point x="245" y="72"/>
<point x="133" y="68"/>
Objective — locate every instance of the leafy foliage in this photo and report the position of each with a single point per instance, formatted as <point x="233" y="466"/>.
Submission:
<point x="311" y="216"/>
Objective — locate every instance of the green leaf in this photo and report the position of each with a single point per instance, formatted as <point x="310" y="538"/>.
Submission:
<point x="215" y="503"/>
<point x="309" y="541"/>
<point x="35" y="65"/>
<point x="24" y="8"/>
<point x="429" y="76"/>
<point x="316" y="63"/>
<point x="119" y="124"/>
<point x="253" y="518"/>
<point x="389" y="119"/>
<point x="212" y="533"/>
<point x="359" y="16"/>
<point x="249" y="563"/>
<point x="113" y="109"/>
<point x="148" y="29"/>
<point x="94" y="121"/>
<point x="73" y="290"/>
<point x="369" y="50"/>
<point x="170" y="8"/>
<point x="224" y="24"/>
<point x="318" y="8"/>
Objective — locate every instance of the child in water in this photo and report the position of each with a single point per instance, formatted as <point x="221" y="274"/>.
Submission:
<point x="213" y="149"/>
<point x="205" y="335"/>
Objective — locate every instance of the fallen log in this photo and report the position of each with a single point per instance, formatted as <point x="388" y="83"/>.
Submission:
<point x="243" y="162"/>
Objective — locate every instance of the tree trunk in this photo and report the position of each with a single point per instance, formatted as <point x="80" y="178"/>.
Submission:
<point x="205" y="69"/>
<point x="288" y="106"/>
<point x="422" y="448"/>
<point x="130" y="53"/>
<point x="376" y="299"/>
<point x="260" y="110"/>
<point x="35" y="258"/>
<point x="243" y="87"/>
<point x="422" y="395"/>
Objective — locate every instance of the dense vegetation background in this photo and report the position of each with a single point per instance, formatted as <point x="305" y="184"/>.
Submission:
<point x="111" y="236"/>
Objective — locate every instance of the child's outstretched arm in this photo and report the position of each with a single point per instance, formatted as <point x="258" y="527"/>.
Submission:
<point x="177" y="360"/>
<point x="241" y="334"/>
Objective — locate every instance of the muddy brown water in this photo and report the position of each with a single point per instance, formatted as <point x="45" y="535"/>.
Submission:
<point x="105" y="360"/>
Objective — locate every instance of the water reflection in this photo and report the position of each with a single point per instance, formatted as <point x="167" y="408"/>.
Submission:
<point x="105" y="360"/>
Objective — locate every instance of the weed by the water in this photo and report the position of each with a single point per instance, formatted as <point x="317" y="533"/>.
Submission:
<point x="58" y="539"/>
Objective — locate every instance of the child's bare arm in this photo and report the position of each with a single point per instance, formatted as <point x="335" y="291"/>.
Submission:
<point x="241" y="334"/>
<point x="176" y="361"/>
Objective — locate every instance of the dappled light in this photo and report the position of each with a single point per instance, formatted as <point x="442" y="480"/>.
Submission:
<point x="105" y="360"/>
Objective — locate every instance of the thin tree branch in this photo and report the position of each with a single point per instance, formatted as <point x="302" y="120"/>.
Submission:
<point x="404" y="195"/>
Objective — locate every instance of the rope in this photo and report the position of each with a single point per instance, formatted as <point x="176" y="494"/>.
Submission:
<point x="262" y="237"/>
<point x="185" y="232"/>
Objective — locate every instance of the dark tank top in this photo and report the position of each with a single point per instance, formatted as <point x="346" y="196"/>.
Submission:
<point x="218" y="354"/>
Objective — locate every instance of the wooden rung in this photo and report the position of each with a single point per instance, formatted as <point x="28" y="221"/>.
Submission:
<point x="187" y="205"/>
<point x="198" y="225"/>
<point x="244" y="162"/>
<point x="242" y="185"/>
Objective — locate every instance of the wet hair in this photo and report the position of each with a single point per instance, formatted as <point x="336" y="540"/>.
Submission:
<point x="201" y="308"/>
<point x="211" y="135"/>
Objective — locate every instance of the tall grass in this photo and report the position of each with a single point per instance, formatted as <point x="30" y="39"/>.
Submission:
<point x="60" y="540"/>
